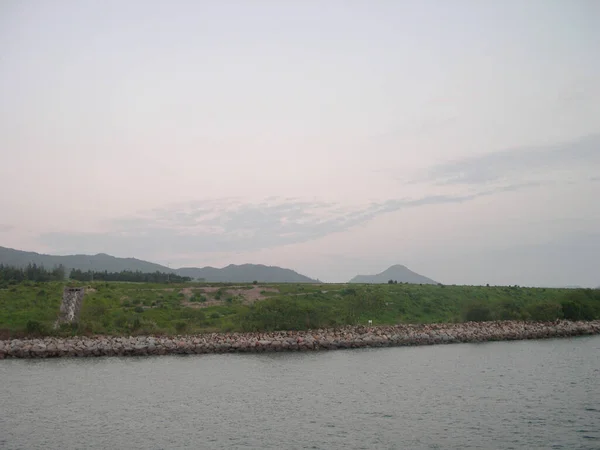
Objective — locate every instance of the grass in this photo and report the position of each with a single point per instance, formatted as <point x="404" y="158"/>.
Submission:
<point x="118" y="308"/>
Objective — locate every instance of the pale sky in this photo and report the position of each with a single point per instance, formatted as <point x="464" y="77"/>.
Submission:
<point x="459" y="138"/>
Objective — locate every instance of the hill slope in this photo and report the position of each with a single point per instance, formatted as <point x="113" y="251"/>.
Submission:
<point x="398" y="273"/>
<point x="101" y="262"/>
<point x="245" y="273"/>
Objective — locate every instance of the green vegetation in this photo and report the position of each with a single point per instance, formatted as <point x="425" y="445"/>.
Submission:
<point x="33" y="303"/>
<point x="152" y="308"/>
<point x="198" y="298"/>
<point x="128" y="275"/>
<point x="31" y="272"/>
<point x="10" y="275"/>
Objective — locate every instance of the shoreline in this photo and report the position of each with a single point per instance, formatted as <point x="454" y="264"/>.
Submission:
<point x="311" y="340"/>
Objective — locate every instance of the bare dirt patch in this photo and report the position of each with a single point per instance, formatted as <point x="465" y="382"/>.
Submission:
<point x="254" y="294"/>
<point x="187" y="293"/>
<point x="247" y="295"/>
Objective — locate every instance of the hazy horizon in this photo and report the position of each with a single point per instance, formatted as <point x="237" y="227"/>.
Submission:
<point x="460" y="139"/>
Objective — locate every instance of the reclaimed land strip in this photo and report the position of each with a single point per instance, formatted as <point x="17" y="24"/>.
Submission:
<point x="327" y="339"/>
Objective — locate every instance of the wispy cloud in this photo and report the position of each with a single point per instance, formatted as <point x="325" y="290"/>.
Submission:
<point x="518" y="164"/>
<point x="231" y="225"/>
<point x="228" y="226"/>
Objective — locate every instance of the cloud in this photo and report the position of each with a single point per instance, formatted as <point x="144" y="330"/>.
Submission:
<point x="518" y="164"/>
<point x="231" y="226"/>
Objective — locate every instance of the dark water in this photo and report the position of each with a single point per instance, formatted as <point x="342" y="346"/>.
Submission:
<point x="521" y="395"/>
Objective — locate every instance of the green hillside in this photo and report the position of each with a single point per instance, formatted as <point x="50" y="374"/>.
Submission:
<point x="142" y="308"/>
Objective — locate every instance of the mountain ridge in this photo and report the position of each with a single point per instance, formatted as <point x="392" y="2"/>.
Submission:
<point x="397" y="272"/>
<point x="244" y="273"/>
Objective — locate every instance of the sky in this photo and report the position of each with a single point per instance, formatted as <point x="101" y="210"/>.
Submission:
<point x="461" y="139"/>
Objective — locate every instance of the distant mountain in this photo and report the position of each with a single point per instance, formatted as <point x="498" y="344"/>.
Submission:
<point x="99" y="262"/>
<point x="398" y="273"/>
<point x="245" y="273"/>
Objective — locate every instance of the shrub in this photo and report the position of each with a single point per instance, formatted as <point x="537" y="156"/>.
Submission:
<point x="198" y="298"/>
<point x="510" y="310"/>
<point x="574" y="310"/>
<point x="228" y="327"/>
<point x="66" y="327"/>
<point x="120" y="321"/>
<point x="571" y="310"/>
<point x="148" y="327"/>
<point x="288" y="314"/>
<point x="35" y="327"/>
<point x="180" y="326"/>
<point x="136" y="323"/>
<point x="192" y="314"/>
<point x="478" y="313"/>
<point x="97" y="309"/>
<point x="219" y="294"/>
<point x="138" y="309"/>
<point x="581" y="304"/>
<point x="545" y="312"/>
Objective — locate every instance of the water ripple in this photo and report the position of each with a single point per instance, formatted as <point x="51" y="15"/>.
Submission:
<point x="504" y="395"/>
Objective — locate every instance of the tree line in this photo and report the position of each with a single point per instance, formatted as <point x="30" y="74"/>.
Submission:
<point x="128" y="275"/>
<point x="32" y="272"/>
<point x="38" y="273"/>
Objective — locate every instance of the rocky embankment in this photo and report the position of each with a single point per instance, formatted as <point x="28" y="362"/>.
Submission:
<point x="329" y="339"/>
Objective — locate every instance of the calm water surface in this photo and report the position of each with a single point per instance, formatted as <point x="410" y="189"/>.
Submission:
<point x="520" y="395"/>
